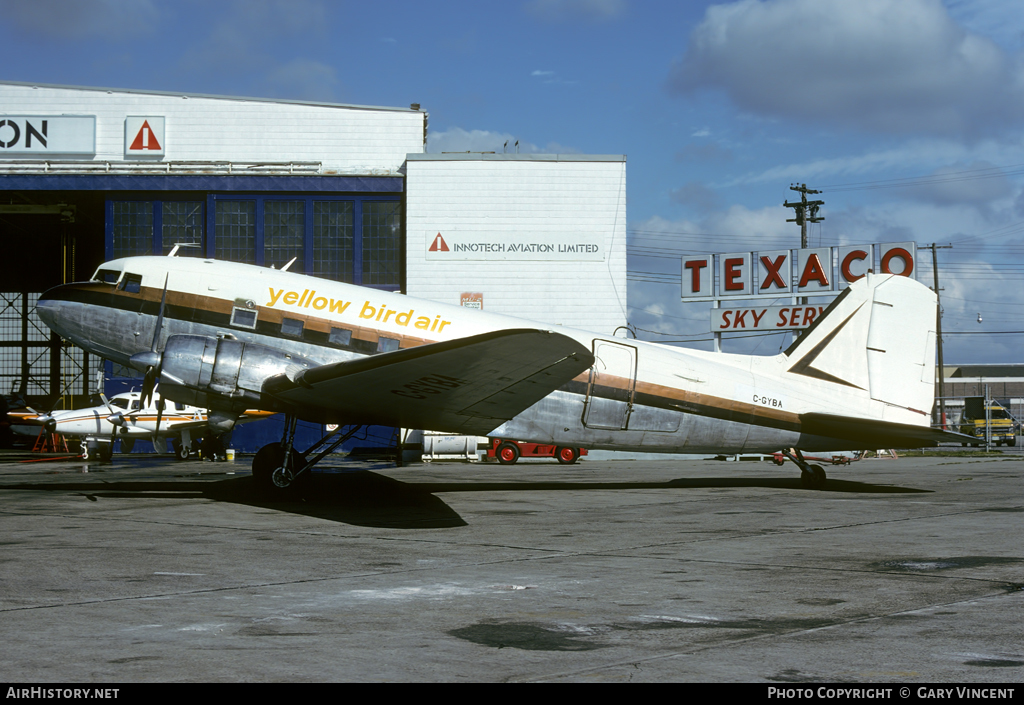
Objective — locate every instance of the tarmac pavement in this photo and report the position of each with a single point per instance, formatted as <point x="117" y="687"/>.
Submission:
<point x="152" y="570"/>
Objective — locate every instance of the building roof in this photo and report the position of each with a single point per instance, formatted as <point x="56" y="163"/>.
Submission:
<point x="240" y="99"/>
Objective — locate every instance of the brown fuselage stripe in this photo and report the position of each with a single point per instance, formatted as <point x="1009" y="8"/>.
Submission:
<point x="216" y="312"/>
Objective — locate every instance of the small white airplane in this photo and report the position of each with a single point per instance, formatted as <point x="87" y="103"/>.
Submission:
<point x="228" y="337"/>
<point x="126" y="418"/>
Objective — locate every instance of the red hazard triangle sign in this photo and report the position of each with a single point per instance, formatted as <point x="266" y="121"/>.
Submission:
<point x="439" y="245"/>
<point x="146" y="139"/>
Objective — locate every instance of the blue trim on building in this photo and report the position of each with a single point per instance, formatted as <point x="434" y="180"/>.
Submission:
<point x="201" y="182"/>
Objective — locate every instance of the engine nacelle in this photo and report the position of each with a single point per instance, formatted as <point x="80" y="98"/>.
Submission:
<point x="222" y="373"/>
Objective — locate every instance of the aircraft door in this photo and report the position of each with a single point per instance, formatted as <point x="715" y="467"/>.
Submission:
<point x="611" y="387"/>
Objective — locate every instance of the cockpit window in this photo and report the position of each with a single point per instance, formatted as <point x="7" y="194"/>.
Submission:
<point x="131" y="283"/>
<point x="108" y="276"/>
<point x="119" y="403"/>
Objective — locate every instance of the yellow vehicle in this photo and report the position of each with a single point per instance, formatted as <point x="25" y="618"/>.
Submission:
<point x="979" y="421"/>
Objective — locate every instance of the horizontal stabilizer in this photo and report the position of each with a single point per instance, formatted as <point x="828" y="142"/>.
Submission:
<point x="469" y="385"/>
<point x="873" y="433"/>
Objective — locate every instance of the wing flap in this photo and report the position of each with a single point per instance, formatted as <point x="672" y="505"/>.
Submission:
<point x="470" y="385"/>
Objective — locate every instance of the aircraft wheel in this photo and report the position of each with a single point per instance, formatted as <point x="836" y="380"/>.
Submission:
<point x="778" y="460"/>
<point x="127" y="444"/>
<point x="508" y="453"/>
<point x="106" y="452"/>
<point x="567" y="456"/>
<point x="814" y="478"/>
<point x="85" y="451"/>
<point x="181" y="451"/>
<point x="268" y="472"/>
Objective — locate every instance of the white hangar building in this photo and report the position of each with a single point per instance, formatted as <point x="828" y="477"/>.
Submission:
<point x="91" y="174"/>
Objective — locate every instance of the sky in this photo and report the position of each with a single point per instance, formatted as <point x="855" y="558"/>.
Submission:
<point x="908" y="115"/>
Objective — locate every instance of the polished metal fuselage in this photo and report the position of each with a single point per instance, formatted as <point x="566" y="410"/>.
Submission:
<point x="638" y="395"/>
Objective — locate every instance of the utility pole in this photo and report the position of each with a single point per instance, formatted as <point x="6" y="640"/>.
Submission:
<point x="938" y="331"/>
<point x="805" y="211"/>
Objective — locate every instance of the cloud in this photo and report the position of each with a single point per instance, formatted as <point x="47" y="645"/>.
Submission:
<point x="457" y="139"/>
<point x="977" y="184"/>
<point x="568" y="10"/>
<point x="257" y="46"/>
<point x="890" y="66"/>
<point x="74" y="19"/>
<point x="695" y="195"/>
<point x="302" y="79"/>
<point x="709" y="152"/>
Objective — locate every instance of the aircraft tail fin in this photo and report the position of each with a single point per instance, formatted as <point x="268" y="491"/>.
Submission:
<point x="877" y="336"/>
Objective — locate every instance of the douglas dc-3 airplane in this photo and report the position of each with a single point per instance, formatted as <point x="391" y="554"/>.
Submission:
<point x="229" y="336"/>
<point x="126" y="417"/>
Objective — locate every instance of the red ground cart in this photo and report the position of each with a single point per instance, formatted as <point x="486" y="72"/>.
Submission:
<point x="507" y="451"/>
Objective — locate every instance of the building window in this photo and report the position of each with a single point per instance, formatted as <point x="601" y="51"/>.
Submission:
<point x="332" y="240"/>
<point x="235" y="237"/>
<point x="183" y="225"/>
<point x="283" y="230"/>
<point x="381" y="238"/>
<point x="132" y="228"/>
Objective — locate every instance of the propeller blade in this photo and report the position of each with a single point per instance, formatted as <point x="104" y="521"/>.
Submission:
<point x="160" y="316"/>
<point x="156" y="433"/>
<point x="106" y="403"/>
<point x="151" y="361"/>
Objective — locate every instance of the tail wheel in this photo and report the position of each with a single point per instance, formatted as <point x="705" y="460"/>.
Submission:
<point x="813" y="478"/>
<point x="508" y="453"/>
<point x="567" y="456"/>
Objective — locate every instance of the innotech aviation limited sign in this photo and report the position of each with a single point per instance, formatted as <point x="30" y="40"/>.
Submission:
<point x="776" y="273"/>
<point x="454" y="245"/>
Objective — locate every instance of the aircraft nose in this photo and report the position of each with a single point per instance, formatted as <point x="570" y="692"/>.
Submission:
<point x="48" y="308"/>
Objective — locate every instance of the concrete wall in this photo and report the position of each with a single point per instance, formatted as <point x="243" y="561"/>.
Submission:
<point x="502" y="209"/>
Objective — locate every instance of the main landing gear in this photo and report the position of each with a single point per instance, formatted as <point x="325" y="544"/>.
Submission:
<point x="280" y="471"/>
<point x="812" y="477"/>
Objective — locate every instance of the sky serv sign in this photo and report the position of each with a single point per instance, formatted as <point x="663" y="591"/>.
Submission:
<point x="454" y="245"/>
<point x="793" y="317"/>
<point x="815" y="271"/>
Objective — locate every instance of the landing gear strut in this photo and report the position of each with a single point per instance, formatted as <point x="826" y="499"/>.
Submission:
<point x="812" y="477"/>
<point x="279" y="470"/>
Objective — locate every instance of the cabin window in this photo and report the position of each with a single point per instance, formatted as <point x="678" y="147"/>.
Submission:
<point x="131" y="283"/>
<point x="340" y="336"/>
<point x="135" y="404"/>
<point x="387" y="344"/>
<point x="243" y="318"/>
<point x="291" y="327"/>
<point x="178" y="406"/>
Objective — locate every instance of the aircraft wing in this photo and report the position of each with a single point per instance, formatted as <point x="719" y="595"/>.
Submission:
<point x="470" y="385"/>
<point x="877" y="434"/>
